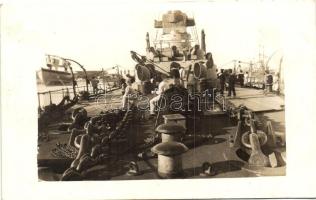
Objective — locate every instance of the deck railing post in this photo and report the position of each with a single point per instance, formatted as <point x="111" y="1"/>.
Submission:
<point x="50" y="97"/>
<point x="39" y="100"/>
<point x="67" y="92"/>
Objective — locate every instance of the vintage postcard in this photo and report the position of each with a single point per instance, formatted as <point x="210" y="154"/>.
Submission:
<point x="129" y="94"/>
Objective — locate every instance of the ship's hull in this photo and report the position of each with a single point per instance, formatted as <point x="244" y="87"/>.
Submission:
<point x="52" y="77"/>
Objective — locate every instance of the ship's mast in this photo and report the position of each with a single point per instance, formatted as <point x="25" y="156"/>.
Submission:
<point x="203" y="45"/>
<point x="261" y="57"/>
<point x="147" y="42"/>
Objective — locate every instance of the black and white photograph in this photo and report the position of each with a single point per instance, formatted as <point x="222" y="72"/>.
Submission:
<point x="159" y="90"/>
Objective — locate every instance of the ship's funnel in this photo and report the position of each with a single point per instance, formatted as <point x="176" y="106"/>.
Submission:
<point x="199" y="70"/>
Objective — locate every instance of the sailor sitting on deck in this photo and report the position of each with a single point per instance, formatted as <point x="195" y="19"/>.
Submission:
<point x="163" y="86"/>
<point x="129" y="93"/>
<point x="91" y="136"/>
<point x="151" y="54"/>
<point x="175" y="72"/>
<point x="92" y="125"/>
<point x="175" y="53"/>
<point x="196" y="51"/>
<point x="53" y="113"/>
<point x="80" y="117"/>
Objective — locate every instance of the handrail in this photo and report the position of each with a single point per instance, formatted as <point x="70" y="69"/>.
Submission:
<point x="58" y="90"/>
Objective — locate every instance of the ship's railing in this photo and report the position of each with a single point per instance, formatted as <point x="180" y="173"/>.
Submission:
<point x="55" y="96"/>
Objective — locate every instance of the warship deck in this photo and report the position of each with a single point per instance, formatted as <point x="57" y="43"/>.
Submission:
<point x="215" y="150"/>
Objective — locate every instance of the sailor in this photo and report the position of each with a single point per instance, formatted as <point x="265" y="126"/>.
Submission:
<point x="231" y="83"/>
<point x="246" y="77"/>
<point x="211" y="74"/>
<point x="54" y="112"/>
<point x="129" y="92"/>
<point x="123" y="85"/>
<point x="241" y="78"/>
<point x="86" y="141"/>
<point x="80" y="117"/>
<point x="182" y="76"/>
<point x="199" y="53"/>
<point x="151" y="54"/>
<point x="175" y="53"/>
<point x="275" y="86"/>
<point x="175" y="72"/>
<point x="211" y="69"/>
<point x="269" y="81"/>
<point x="222" y="78"/>
<point x="162" y="87"/>
<point x="94" y="83"/>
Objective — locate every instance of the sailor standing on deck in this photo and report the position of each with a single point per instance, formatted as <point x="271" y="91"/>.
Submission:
<point x="275" y="86"/>
<point x="231" y="83"/>
<point x="211" y="74"/>
<point x="94" y="83"/>
<point x="175" y="73"/>
<point x="222" y="78"/>
<point x="246" y="79"/>
<point x="241" y="78"/>
<point x="268" y="81"/>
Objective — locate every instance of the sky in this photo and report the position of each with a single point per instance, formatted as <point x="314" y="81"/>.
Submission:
<point x="101" y="34"/>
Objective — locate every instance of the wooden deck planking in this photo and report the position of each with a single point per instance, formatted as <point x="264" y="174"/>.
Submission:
<point x="257" y="101"/>
<point x="192" y="160"/>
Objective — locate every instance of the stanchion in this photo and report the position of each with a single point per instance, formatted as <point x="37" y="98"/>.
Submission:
<point x="50" y="98"/>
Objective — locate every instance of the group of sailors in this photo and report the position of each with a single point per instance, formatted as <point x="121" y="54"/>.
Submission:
<point x="195" y="53"/>
<point x="221" y="81"/>
<point x="228" y="79"/>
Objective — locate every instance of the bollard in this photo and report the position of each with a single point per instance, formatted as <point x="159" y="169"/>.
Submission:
<point x="170" y="159"/>
<point x="257" y="158"/>
<point x="170" y="132"/>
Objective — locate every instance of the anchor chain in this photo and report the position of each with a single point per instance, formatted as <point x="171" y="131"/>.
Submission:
<point x="100" y="152"/>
